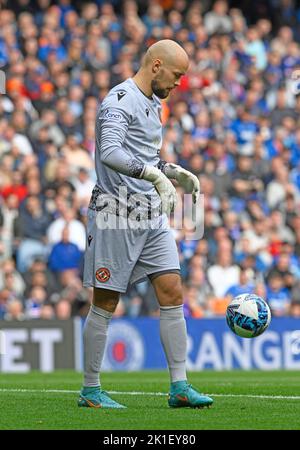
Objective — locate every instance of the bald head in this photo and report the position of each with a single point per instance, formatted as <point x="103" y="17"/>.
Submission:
<point x="169" y="52"/>
<point x="163" y="65"/>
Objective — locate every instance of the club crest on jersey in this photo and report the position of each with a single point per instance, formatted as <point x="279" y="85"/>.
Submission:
<point x="121" y="95"/>
<point x="102" y="275"/>
<point x="147" y="112"/>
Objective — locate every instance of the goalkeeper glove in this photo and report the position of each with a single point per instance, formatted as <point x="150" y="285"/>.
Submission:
<point x="186" y="179"/>
<point x="164" y="187"/>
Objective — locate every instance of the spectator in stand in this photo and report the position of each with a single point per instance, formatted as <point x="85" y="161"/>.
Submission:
<point x="217" y="21"/>
<point x="279" y="188"/>
<point x="47" y="312"/>
<point x="75" y="227"/>
<point x="223" y="274"/>
<point x="65" y="255"/>
<point x="31" y="226"/>
<point x="83" y="185"/>
<point x="14" y="310"/>
<point x="73" y="292"/>
<point x="278" y="296"/>
<point x="38" y="275"/>
<point x="34" y="303"/>
<point x="11" y="279"/>
<point x="8" y="216"/>
<point x="245" y="285"/>
<point x="256" y="48"/>
<point x="244" y="182"/>
<point x="285" y="266"/>
<point x="74" y="155"/>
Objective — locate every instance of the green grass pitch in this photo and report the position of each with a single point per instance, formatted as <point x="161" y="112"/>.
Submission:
<point x="245" y="400"/>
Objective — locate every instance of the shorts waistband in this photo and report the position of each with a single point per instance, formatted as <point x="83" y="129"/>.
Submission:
<point x="113" y="207"/>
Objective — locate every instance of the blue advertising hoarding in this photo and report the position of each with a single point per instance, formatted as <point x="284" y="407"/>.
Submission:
<point x="134" y="344"/>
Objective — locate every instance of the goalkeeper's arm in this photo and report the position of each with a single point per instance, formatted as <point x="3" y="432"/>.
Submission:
<point x="112" y="134"/>
<point x="119" y="160"/>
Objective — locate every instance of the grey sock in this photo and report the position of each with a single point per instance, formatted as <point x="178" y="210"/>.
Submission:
<point x="94" y="340"/>
<point x="173" y="336"/>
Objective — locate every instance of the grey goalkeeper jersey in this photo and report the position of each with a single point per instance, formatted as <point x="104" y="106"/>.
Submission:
<point x="128" y="137"/>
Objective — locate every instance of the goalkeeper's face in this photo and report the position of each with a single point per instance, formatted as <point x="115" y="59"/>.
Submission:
<point x="166" y="78"/>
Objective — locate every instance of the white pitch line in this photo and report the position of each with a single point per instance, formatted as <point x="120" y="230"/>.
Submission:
<point x="157" y="394"/>
<point x="278" y="397"/>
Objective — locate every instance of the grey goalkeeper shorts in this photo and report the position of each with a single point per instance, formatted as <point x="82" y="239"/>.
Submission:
<point x="115" y="258"/>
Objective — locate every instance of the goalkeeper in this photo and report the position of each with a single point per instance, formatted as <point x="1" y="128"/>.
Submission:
<point x="128" y="141"/>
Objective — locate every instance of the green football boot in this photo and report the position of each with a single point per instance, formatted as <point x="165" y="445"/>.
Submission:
<point x="183" y="394"/>
<point x="94" y="397"/>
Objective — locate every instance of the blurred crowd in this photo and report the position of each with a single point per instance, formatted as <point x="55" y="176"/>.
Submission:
<point x="233" y="121"/>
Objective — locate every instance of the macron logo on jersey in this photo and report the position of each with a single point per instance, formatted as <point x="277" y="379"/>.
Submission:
<point x="112" y="115"/>
<point x="121" y="95"/>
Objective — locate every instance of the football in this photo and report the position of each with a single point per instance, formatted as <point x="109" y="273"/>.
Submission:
<point x="248" y="315"/>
